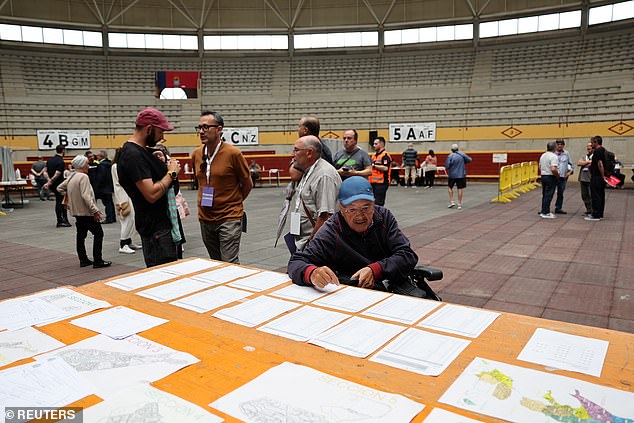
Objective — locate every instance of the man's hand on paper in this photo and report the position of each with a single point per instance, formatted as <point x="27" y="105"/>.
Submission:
<point x="322" y="276"/>
<point x="365" y="276"/>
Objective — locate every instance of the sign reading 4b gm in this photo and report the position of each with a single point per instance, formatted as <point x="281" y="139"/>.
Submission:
<point x="78" y="139"/>
<point x="412" y="132"/>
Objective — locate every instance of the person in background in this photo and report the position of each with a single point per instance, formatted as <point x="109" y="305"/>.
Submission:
<point x="565" y="169"/>
<point x="55" y="168"/>
<point x="429" y="166"/>
<point x="125" y="210"/>
<point x="380" y="177"/>
<point x="102" y="185"/>
<point x="584" y="178"/>
<point x="224" y="183"/>
<point x="456" y="173"/>
<point x="308" y="125"/>
<point x="38" y="170"/>
<point x="351" y="160"/>
<point x="548" y="168"/>
<point x="410" y="159"/>
<point x="146" y="180"/>
<point x="83" y="207"/>
<point x="255" y="170"/>
<point x="598" y="174"/>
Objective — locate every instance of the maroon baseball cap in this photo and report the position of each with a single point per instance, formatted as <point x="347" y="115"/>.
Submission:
<point x="151" y="116"/>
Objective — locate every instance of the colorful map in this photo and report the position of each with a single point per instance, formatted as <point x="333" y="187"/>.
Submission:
<point x="523" y="395"/>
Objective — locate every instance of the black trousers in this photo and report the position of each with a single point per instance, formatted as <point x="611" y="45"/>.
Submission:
<point x="108" y="204"/>
<point x="380" y="190"/>
<point x="430" y="176"/>
<point x="60" y="211"/>
<point x="84" y="225"/>
<point x="597" y="195"/>
<point x="159" y="248"/>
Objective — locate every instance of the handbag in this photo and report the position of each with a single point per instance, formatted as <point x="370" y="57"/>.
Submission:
<point x="182" y="206"/>
<point x="123" y="209"/>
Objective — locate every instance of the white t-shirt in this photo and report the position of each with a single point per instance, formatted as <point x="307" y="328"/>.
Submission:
<point x="547" y="161"/>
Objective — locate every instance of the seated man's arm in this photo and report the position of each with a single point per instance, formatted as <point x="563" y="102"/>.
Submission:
<point x="310" y="266"/>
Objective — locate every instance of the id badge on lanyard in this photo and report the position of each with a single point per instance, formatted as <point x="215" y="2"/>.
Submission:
<point x="207" y="198"/>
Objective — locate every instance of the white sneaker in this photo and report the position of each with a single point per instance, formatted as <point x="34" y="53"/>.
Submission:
<point x="459" y="206"/>
<point x="451" y="206"/>
<point x="413" y="186"/>
<point x="547" y="216"/>
<point x="135" y="247"/>
<point x="427" y="187"/>
<point x="126" y="250"/>
<point x="592" y="219"/>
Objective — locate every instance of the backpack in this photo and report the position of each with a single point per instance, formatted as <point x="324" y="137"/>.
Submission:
<point x="610" y="162"/>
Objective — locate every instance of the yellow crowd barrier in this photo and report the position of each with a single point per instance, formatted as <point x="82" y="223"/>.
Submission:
<point x="515" y="180"/>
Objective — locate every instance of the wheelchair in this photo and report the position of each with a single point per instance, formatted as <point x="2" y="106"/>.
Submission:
<point x="414" y="285"/>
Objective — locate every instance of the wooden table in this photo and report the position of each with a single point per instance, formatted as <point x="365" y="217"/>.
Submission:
<point x="227" y="363"/>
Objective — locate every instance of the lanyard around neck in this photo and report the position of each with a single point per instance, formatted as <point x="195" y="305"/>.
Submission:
<point x="300" y="188"/>
<point x="211" y="159"/>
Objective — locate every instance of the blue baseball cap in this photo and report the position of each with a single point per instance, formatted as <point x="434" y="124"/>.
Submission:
<point x="355" y="188"/>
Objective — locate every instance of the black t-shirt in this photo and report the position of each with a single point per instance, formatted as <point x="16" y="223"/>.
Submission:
<point x="135" y="164"/>
<point x="597" y="156"/>
<point x="54" y="164"/>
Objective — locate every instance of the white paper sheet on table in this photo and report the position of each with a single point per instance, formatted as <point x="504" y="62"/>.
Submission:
<point x="256" y="311"/>
<point x="118" y="322"/>
<point x="518" y="394"/>
<point x="172" y="290"/>
<point x="357" y="336"/>
<point x="224" y="274"/>
<point x="305" y="293"/>
<point x="460" y="320"/>
<point x="141" y="280"/>
<point x="211" y="299"/>
<point x="565" y="351"/>
<point x="438" y="415"/>
<point x="19" y="313"/>
<point x="72" y="302"/>
<point x="45" y="383"/>
<point x="190" y="266"/>
<point x="401" y="308"/>
<point x="352" y="299"/>
<point x="304" y="323"/>
<point x="421" y="352"/>
<point x="114" y="364"/>
<point x="289" y="392"/>
<point x="24" y="343"/>
<point x="261" y="281"/>
<point x="144" y="403"/>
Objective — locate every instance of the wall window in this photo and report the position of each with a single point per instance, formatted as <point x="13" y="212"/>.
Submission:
<point x="245" y="42"/>
<point x="152" y="41"/>
<point x="429" y="34"/>
<point x="549" y="22"/>
<point x="336" y="39"/>
<point x="611" y="12"/>
<point x="37" y="34"/>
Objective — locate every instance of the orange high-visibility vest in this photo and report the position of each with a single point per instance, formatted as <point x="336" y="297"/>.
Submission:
<point x="378" y="176"/>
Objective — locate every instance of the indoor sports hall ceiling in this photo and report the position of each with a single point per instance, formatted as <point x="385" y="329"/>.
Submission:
<point x="266" y="15"/>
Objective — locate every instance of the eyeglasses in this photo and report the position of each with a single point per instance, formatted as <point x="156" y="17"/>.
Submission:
<point x="348" y="138"/>
<point x="205" y="128"/>
<point x="295" y="149"/>
<point x="362" y="210"/>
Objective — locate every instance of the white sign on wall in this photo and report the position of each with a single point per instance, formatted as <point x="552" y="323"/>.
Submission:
<point x="500" y="157"/>
<point x="72" y="139"/>
<point x="241" y="136"/>
<point x="412" y="132"/>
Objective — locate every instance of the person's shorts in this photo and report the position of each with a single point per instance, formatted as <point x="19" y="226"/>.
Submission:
<point x="459" y="182"/>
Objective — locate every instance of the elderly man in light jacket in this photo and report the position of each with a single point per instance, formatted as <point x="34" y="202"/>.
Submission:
<point x="79" y="198"/>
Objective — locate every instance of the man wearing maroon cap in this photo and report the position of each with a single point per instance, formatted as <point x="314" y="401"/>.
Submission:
<point x="146" y="179"/>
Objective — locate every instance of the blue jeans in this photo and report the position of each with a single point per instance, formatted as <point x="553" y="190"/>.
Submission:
<point x="561" y="187"/>
<point x="549" y="183"/>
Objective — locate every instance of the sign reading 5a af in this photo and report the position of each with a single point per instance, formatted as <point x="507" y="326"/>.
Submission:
<point x="71" y="139"/>
<point x="412" y="132"/>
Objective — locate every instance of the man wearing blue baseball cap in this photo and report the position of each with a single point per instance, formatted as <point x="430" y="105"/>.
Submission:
<point x="361" y="241"/>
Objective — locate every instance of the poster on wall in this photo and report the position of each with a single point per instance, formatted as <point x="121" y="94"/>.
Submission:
<point x="412" y="132"/>
<point x="72" y="139"/>
<point x="241" y="136"/>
